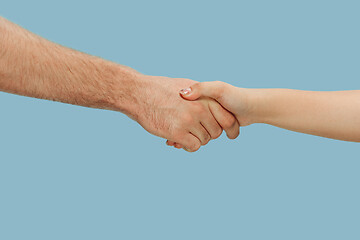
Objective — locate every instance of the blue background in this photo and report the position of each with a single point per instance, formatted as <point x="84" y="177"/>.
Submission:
<point x="68" y="172"/>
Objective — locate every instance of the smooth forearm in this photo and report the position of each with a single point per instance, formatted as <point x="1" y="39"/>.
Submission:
<point x="34" y="67"/>
<point x="328" y="114"/>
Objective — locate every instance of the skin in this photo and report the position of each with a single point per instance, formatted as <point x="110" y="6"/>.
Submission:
<point x="35" y="67"/>
<point x="328" y="114"/>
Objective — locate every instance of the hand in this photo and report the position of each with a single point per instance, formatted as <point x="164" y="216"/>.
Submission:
<point x="328" y="114"/>
<point x="160" y="110"/>
<point x="234" y="99"/>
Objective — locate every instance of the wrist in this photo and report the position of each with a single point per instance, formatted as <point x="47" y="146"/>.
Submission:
<point x="264" y="105"/>
<point x="257" y="102"/>
<point x="129" y="89"/>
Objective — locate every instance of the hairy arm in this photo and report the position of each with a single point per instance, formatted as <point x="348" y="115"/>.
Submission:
<point x="329" y="114"/>
<point x="35" y="67"/>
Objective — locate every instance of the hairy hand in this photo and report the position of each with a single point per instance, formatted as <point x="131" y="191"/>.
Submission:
<point x="161" y="111"/>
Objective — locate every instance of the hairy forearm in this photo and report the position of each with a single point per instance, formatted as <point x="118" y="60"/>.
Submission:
<point x="328" y="114"/>
<point x="34" y="67"/>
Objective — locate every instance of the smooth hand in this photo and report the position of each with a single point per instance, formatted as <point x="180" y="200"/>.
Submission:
<point x="235" y="100"/>
<point x="333" y="114"/>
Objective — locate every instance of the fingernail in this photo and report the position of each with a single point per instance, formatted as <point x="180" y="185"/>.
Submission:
<point x="185" y="91"/>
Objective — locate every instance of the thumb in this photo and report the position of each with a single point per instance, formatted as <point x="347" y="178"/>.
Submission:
<point x="204" y="89"/>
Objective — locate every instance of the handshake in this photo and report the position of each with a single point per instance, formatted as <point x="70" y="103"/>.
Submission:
<point x="225" y="111"/>
<point x="190" y="114"/>
<point x="187" y="113"/>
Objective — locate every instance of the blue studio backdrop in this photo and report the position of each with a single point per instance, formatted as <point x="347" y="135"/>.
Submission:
<point x="69" y="172"/>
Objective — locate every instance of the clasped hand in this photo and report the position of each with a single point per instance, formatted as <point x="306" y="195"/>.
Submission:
<point x="213" y="92"/>
<point x="186" y="124"/>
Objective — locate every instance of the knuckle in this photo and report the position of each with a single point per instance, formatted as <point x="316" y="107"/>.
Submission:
<point x="196" y="86"/>
<point x="197" y="111"/>
<point x="220" y="84"/>
<point x="229" y="122"/>
<point x="207" y="138"/>
<point x="176" y="134"/>
<point x="198" y="107"/>
<point x="220" y="88"/>
<point x="235" y="134"/>
<point x="217" y="133"/>
<point x="195" y="147"/>
<point x="187" y="119"/>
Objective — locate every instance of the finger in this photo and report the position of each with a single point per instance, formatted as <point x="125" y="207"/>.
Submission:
<point x="212" y="126"/>
<point x="226" y="120"/>
<point x="174" y="144"/>
<point x="178" y="146"/>
<point x="201" y="133"/>
<point x="206" y="89"/>
<point x="190" y="142"/>
<point x="170" y="143"/>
